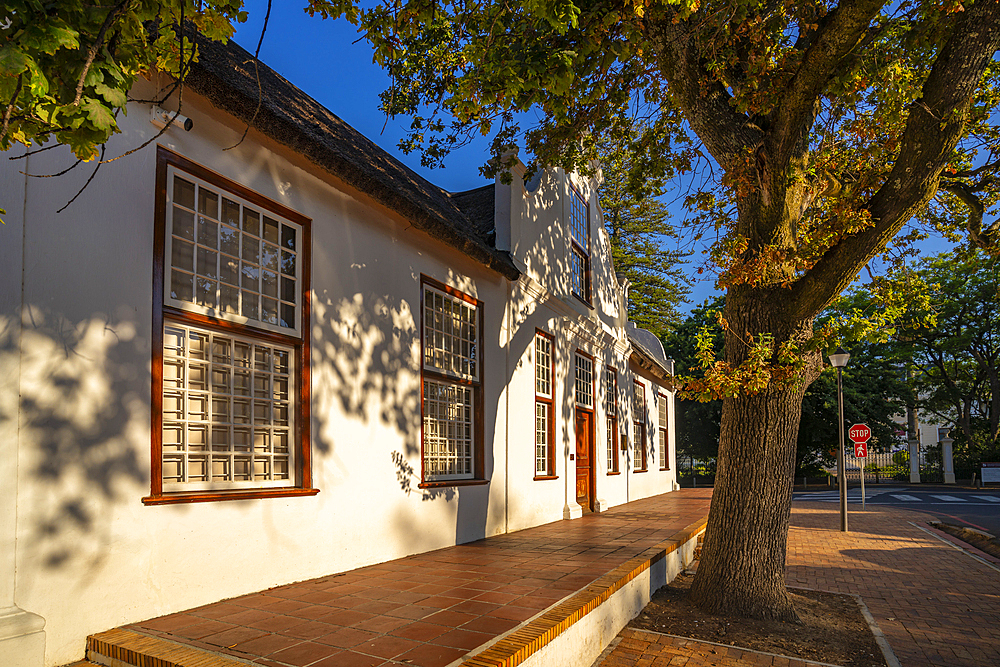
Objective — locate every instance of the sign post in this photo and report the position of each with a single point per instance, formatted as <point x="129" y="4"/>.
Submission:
<point x="859" y="435"/>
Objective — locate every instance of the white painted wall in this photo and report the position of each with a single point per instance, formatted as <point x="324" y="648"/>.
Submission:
<point x="90" y="556"/>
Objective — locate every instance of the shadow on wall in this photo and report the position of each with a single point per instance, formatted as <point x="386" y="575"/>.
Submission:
<point x="83" y="426"/>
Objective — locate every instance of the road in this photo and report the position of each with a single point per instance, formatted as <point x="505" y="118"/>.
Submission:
<point x="976" y="508"/>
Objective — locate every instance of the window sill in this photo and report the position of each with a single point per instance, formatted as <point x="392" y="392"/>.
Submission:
<point x="215" y="496"/>
<point x="542" y="477"/>
<point x="616" y="472"/>
<point x="452" y="482"/>
<point x="641" y="470"/>
<point x="583" y="301"/>
<point x="664" y="469"/>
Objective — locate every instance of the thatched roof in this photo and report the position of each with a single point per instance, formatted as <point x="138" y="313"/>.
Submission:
<point x="225" y="75"/>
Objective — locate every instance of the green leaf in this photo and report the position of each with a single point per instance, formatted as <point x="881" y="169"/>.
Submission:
<point x="98" y="115"/>
<point x="113" y="96"/>
<point x="12" y="60"/>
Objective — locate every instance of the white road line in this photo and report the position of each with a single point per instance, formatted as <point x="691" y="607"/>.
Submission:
<point x="950" y="499"/>
<point x="905" y="498"/>
<point x="989" y="499"/>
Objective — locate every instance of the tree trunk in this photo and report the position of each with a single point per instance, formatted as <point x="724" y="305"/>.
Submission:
<point x="742" y="568"/>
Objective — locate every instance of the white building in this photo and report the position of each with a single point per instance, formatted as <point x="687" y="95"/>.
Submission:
<point x="225" y="370"/>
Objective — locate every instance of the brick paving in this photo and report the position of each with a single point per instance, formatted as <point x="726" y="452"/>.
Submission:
<point x="936" y="605"/>
<point x="429" y="610"/>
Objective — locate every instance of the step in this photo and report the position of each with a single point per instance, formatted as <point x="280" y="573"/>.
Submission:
<point x="125" y="648"/>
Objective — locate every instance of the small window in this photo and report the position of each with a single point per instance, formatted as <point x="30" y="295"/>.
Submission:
<point x="663" y="428"/>
<point x="452" y="386"/>
<point x="230" y="392"/>
<point x="611" y="411"/>
<point x="580" y="245"/>
<point x="639" y="425"/>
<point x="584" y="381"/>
<point x="544" y="411"/>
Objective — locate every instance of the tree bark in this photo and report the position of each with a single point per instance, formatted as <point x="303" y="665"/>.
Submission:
<point x="742" y="568"/>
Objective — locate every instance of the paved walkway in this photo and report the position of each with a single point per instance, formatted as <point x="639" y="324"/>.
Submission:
<point x="431" y="609"/>
<point x="935" y="604"/>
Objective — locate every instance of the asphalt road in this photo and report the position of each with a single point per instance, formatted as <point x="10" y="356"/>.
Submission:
<point x="977" y="508"/>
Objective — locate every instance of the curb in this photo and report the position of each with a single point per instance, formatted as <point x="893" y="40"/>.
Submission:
<point x="890" y="658"/>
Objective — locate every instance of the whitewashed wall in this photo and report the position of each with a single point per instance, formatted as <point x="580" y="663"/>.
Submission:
<point x="75" y="346"/>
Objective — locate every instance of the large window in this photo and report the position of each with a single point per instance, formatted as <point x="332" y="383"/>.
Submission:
<point x="639" y="425"/>
<point x="452" y="396"/>
<point x="230" y="389"/>
<point x="580" y="245"/>
<point x="663" y="426"/>
<point x="611" y="411"/>
<point x="544" y="412"/>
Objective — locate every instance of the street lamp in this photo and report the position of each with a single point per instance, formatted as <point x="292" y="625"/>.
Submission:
<point x="838" y="360"/>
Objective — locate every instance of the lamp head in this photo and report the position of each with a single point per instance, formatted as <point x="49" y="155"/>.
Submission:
<point x="839" y="358"/>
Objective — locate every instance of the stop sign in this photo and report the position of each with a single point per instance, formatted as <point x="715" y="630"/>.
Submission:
<point x="860" y="433"/>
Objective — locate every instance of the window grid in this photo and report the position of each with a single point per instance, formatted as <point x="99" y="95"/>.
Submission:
<point x="543" y="365"/>
<point x="229" y="259"/>
<point x="448" y="431"/>
<point x="662" y="427"/>
<point x="611" y="411"/>
<point x="227" y="411"/>
<point x="543" y="424"/>
<point x="450" y="335"/>
<point x="579" y="216"/>
<point x="544" y="411"/>
<point x="584" y="381"/>
<point x="639" y="424"/>
<point x="580" y="275"/>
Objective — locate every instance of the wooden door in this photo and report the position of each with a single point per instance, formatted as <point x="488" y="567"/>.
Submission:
<point x="584" y="459"/>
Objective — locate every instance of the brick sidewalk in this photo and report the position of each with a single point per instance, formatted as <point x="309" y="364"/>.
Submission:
<point x="427" y="610"/>
<point x="935" y="604"/>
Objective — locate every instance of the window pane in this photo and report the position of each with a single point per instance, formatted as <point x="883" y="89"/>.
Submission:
<point x="183" y="192"/>
<point x="215" y="407"/>
<point x="542" y="416"/>
<point x="232" y="251"/>
<point x="543" y="365"/>
<point x="579" y="223"/>
<point x="450" y="335"/>
<point x="584" y="381"/>
<point x="448" y="431"/>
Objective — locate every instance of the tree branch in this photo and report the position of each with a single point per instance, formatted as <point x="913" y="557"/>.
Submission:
<point x="92" y="51"/>
<point x="933" y="128"/>
<point x="987" y="240"/>
<point x="839" y="34"/>
<point x="725" y="132"/>
<point x="10" y="107"/>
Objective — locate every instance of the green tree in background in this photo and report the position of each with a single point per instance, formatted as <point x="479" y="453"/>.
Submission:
<point x="698" y="422"/>
<point x="956" y="362"/>
<point x="638" y="224"/>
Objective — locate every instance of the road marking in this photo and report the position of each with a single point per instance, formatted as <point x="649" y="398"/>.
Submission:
<point x="905" y="498"/>
<point x="989" y="499"/>
<point x="950" y="499"/>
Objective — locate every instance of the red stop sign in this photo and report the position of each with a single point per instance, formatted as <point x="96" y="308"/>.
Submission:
<point x="860" y="433"/>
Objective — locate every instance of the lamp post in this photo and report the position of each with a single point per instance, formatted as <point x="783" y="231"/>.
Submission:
<point x="838" y="360"/>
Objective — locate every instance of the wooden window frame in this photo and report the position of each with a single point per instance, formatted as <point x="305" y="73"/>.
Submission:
<point x="478" y="451"/>
<point x="548" y="401"/>
<point x="639" y="427"/>
<point x="577" y="248"/>
<point x="301" y="483"/>
<point x="663" y="429"/>
<point x="593" y="393"/>
<point x="611" y="401"/>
